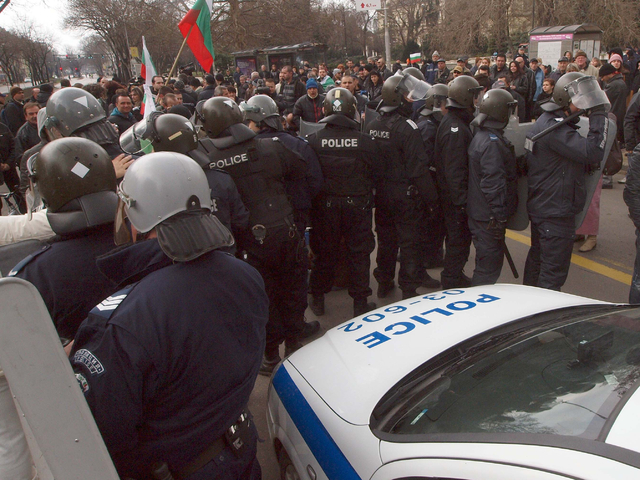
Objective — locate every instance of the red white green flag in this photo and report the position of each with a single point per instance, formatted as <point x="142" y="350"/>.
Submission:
<point x="148" y="70"/>
<point x="198" y="22"/>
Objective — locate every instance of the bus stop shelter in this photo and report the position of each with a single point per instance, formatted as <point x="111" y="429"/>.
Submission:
<point x="550" y="43"/>
<point x="250" y="60"/>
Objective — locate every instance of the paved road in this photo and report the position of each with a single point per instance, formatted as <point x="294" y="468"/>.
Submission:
<point x="604" y="274"/>
<point x="27" y="85"/>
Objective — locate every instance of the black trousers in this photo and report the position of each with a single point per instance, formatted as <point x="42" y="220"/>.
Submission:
<point x="489" y="254"/>
<point x="398" y="225"/>
<point x="334" y="219"/>
<point x="282" y="261"/>
<point x="549" y="257"/>
<point x="457" y="242"/>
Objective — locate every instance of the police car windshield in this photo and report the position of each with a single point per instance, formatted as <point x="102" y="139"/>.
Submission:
<point x="563" y="379"/>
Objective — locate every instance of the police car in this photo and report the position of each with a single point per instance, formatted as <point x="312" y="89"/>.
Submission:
<point x="496" y="382"/>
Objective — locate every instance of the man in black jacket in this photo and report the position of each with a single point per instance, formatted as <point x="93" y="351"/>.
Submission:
<point x="442" y="73"/>
<point x="309" y="107"/>
<point x="406" y="189"/>
<point x="492" y="196"/>
<point x="557" y="163"/>
<point x="617" y="92"/>
<point x="13" y="113"/>
<point x="631" y="197"/>
<point x="452" y="165"/>
<point x="28" y="136"/>
<point x="121" y="116"/>
<point x="500" y="69"/>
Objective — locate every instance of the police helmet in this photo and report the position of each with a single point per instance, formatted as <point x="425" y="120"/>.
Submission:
<point x="70" y="109"/>
<point x="170" y="192"/>
<point x="165" y="132"/>
<point x="463" y="92"/>
<point x="436" y="96"/>
<point x="220" y="113"/>
<point x="392" y="97"/>
<point x="495" y="109"/>
<point x="70" y="168"/>
<point x="262" y="108"/>
<point x="340" y="101"/>
<point x="560" y="95"/>
<point x="414" y="72"/>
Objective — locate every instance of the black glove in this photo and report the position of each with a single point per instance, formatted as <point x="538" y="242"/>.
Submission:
<point x="497" y="228"/>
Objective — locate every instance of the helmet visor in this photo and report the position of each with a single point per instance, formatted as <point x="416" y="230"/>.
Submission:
<point x="137" y="139"/>
<point x="585" y="93"/>
<point x="413" y="88"/>
<point x="121" y="228"/>
<point x="32" y="195"/>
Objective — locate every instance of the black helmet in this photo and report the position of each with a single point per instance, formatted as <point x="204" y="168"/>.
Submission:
<point x="436" y="96"/>
<point x="392" y="97"/>
<point x="560" y="95"/>
<point x="220" y="113"/>
<point x="165" y="132"/>
<point x="340" y="101"/>
<point x="495" y="109"/>
<point x="414" y="72"/>
<point x="463" y="91"/>
<point x="262" y="108"/>
<point x="70" y="109"/>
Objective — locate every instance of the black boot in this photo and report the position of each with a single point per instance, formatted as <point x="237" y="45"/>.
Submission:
<point x="309" y="329"/>
<point x="317" y="305"/>
<point x="361" y="306"/>
<point x="409" y="294"/>
<point x="429" y="282"/>
<point x="385" y="288"/>
<point x="270" y="360"/>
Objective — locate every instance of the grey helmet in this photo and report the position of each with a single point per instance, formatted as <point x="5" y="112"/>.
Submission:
<point x="463" y="92"/>
<point x="392" y="97"/>
<point x="414" y="72"/>
<point x="436" y="96"/>
<point x="495" y="109"/>
<point x="219" y="113"/>
<point x="164" y="132"/>
<point x="170" y="192"/>
<point x="560" y="95"/>
<point x="71" y="109"/>
<point x="262" y="109"/>
<point x="339" y="101"/>
<point x="77" y="182"/>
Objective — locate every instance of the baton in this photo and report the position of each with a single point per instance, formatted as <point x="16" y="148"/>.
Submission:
<point x="538" y="136"/>
<point x="507" y="255"/>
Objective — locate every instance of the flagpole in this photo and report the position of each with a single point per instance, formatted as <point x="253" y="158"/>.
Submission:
<point x="184" y="42"/>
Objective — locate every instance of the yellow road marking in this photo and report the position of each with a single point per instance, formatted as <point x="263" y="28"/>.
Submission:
<point x="596" y="267"/>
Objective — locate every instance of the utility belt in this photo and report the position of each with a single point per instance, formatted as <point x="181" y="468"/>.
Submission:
<point x="360" y="202"/>
<point x="237" y="437"/>
<point x="400" y="191"/>
<point x="260" y="231"/>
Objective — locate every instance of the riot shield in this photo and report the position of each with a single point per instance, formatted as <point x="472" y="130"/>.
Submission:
<point x="307" y="128"/>
<point x="516" y="133"/>
<point x="45" y="388"/>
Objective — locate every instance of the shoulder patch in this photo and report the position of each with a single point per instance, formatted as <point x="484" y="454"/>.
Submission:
<point x="89" y="360"/>
<point x="25" y="261"/>
<point x="412" y="123"/>
<point x="493" y="137"/>
<point x="82" y="382"/>
<point x="454" y="129"/>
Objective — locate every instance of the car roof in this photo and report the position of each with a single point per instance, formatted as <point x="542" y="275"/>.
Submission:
<point x="354" y="364"/>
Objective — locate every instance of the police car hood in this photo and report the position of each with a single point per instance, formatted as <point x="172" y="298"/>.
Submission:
<point x="354" y="364"/>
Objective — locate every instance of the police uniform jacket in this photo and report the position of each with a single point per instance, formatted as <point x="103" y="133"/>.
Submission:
<point x="428" y="130"/>
<point x="492" y="177"/>
<point x="632" y="123"/>
<point x="617" y="93"/>
<point x="7" y="146"/>
<point x="631" y="192"/>
<point x="346" y="158"/>
<point x="557" y="165"/>
<point x="401" y="156"/>
<point x="66" y="275"/>
<point x="451" y="157"/>
<point x="168" y="363"/>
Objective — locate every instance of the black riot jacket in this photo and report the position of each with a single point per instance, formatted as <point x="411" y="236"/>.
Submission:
<point x="451" y="158"/>
<point x="492" y="177"/>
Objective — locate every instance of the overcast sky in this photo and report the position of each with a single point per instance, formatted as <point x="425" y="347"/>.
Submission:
<point x="47" y="16"/>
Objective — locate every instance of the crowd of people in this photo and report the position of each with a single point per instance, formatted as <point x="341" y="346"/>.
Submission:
<point x="230" y="224"/>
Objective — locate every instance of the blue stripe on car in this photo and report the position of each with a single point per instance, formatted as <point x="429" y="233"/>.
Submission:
<point x="324" y="448"/>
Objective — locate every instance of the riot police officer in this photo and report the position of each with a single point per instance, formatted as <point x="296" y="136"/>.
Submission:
<point x="405" y="188"/>
<point x="492" y="197"/>
<point x="76" y="180"/>
<point x="452" y="165"/>
<point x="342" y="211"/>
<point x="273" y="244"/>
<point x="174" y="354"/>
<point x="168" y="132"/>
<point x="428" y="121"/>
<point x="556" y="176"/>
<point x="261" y="115"/>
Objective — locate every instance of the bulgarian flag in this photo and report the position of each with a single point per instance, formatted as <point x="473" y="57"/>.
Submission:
<point x="196" y="28"/>
<point x="415" y="57"/>
<point x="148" y="70"/>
